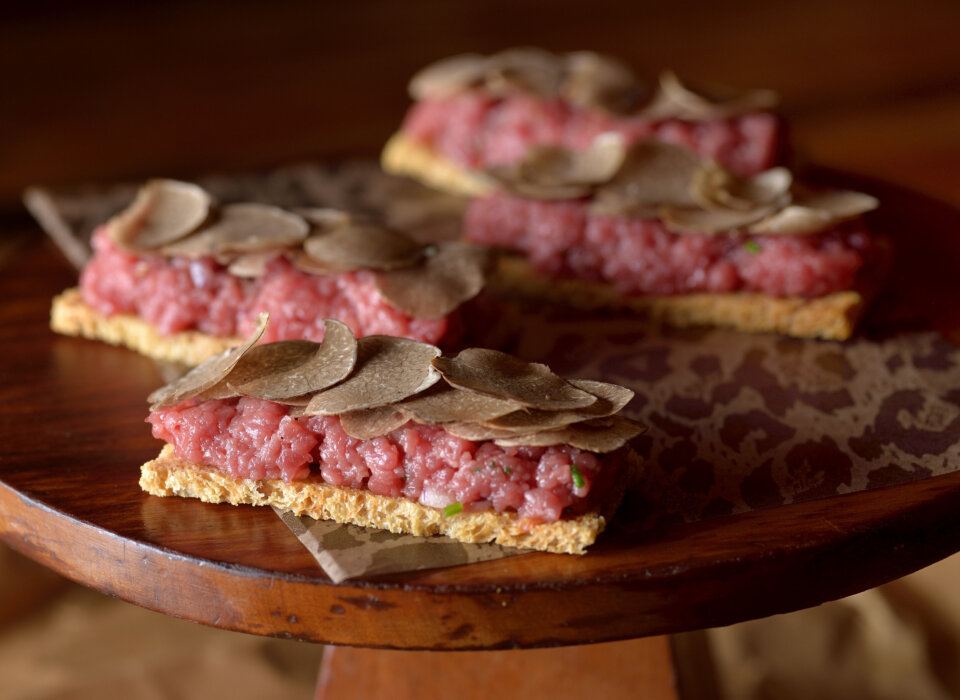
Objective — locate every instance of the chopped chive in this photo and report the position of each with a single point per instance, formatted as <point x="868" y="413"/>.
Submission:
<point x="577" y="477"/>
<point x="752" y="246"/>
<point x="453" y="509"/>
<point x="476" y="470"/>
<point x="492" y="465"/>
<point x="507" y="470"/>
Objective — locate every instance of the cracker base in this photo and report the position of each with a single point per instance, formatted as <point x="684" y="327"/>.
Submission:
<point x="168" y="475"/>
<point x="832" y="317"/>
<point x="401" y="156"/>
<point x="70" y="316"/>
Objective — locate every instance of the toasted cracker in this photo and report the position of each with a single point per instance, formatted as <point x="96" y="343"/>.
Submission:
<point x="830" y="317"/>
<point x="168" y="475"/>
<point x="70" y="316"/>
<point x="401" y="156"/>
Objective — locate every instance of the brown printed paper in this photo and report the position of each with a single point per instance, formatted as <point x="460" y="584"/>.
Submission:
<point x="348" y="551"/>
<point x="742" y="421"/>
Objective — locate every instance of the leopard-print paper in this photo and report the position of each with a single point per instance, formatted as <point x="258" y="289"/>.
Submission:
<point x="740" y="421"/>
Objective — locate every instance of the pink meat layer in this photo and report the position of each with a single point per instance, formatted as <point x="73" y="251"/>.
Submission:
<point x="640" y="256"/>
<point x="251" y="438"/>
<point x="179" y="294"/>
<point x="475" y="130"/>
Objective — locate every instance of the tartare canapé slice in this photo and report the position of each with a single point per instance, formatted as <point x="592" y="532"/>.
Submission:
<point x="388" y="432"/>
<point x="473" y="112"/>
<point x="179" y="277"/>
<point x="655" y="228"/>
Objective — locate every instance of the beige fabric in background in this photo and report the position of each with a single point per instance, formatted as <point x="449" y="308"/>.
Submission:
<point x="898" y="641"/>
<point x="77" y="644"/>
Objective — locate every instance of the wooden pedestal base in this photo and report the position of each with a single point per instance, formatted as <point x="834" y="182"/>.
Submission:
<point x="632" y="669"/>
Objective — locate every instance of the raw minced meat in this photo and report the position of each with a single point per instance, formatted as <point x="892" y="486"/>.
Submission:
<point x="178" y="294"/>
<point x="252" y="438"/>
<point x="640" y="256"/>
<point x="476" y="130"/>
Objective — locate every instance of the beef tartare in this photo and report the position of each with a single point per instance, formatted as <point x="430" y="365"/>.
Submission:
<point x="387" y="432"/>
<point x="655" y="228"/>
<point x="179" y="277"/>
<point x="474" y="112"/>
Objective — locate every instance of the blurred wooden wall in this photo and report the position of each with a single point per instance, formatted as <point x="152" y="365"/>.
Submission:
<point x="108" y="90"/>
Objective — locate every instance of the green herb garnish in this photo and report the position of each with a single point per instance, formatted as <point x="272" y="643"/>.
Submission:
<point x="752" y="246"/>
<point x="453" y="509"/>
<point x="577" y="477"/>
<point x="507" y="470"/>
<point x="492" y="465"/>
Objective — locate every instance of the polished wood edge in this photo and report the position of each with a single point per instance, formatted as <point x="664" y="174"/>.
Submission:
<point x="497" y="617"/>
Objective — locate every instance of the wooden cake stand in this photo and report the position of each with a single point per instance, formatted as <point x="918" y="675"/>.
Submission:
<point x="73" y="435"/>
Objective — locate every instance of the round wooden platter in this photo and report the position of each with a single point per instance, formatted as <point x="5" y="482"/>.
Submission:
<point x="73" y="436"/>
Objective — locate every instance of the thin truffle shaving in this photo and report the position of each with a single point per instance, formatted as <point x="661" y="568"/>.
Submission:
<point x="163" y="211"/>
<point x="553" y="172"/>
<point x="584" y="79"/>
<point x="206" y="376"/>
<point x="448" y="275"/>
<point x="243" y="228"/>
<point x="674" y="100"/>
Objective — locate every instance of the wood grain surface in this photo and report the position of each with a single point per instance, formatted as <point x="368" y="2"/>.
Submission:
<point x="73" y="431"/>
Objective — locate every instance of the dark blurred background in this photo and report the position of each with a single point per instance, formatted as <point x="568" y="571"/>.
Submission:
<point x="108" y="90"/>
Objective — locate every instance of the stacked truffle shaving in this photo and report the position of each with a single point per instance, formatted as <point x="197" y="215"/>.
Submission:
<point x="689" y="194"/>
<point x="178" y="219"/>
<point x="376" y="384"/>
<point x="584" y="79"/>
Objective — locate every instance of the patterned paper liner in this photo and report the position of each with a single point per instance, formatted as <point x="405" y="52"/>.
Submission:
<point x="739" y="421"/>
<point x="348" y="551"/>
<point x="736" y="421"/>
